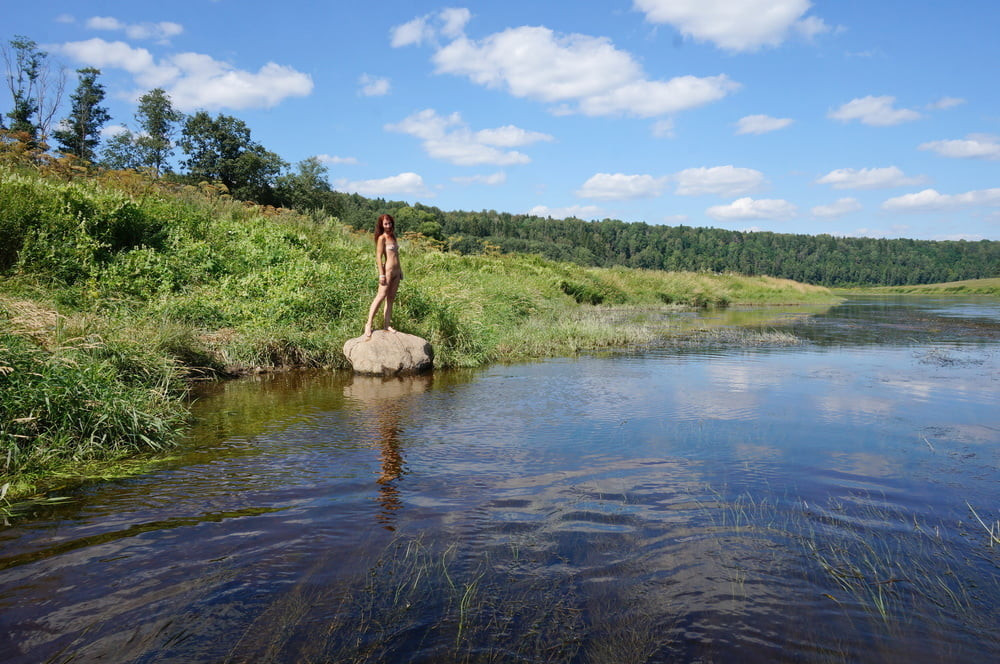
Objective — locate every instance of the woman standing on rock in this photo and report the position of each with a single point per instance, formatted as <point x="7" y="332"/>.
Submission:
<point x="390" y="272"/>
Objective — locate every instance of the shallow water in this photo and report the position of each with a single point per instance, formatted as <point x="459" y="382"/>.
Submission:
<point x="807" y="503"/>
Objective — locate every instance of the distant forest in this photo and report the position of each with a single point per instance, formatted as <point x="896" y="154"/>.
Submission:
<point x="816" y="259"/>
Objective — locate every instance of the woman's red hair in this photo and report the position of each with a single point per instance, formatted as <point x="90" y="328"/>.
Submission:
<point x="379" y="229"/>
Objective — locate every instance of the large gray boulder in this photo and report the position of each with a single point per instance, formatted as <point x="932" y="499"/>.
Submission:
<point x="389" y="353"/>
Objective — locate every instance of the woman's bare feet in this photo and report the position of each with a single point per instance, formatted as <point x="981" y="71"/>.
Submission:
<point x="368" y="332"/>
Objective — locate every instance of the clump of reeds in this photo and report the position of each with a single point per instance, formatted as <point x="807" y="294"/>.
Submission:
<point x="63" y="408"/>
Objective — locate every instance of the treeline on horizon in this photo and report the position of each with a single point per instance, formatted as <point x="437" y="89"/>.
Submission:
<point x="221" y="150"/>
<point x="817" y="259"/>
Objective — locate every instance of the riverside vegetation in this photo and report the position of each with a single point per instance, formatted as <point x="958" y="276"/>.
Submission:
<point x="119" y="288"/>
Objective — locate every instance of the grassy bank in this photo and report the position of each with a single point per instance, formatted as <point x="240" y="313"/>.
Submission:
<point x="967" y="287"/>
<point x="117" y="290"/>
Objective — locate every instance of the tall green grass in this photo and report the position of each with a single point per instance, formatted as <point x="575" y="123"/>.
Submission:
<point x="166" y="282"/>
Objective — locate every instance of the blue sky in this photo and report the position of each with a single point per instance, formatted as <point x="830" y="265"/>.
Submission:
<point x="877" y="118"/>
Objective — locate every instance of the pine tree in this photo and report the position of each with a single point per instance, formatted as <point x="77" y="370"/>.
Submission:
<point x="80" y="133"/>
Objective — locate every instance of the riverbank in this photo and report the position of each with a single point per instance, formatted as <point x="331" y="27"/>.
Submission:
<point x="965" y="287"/>
<point x="119" y="290"/>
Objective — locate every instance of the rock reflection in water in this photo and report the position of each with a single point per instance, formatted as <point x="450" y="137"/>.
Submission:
<point x="387" y="402"/>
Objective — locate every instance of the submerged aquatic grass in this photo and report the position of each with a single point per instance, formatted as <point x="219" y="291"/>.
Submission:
<point x="871" y="565"/>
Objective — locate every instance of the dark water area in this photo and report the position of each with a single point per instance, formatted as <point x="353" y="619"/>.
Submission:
<point x="831" y="501"/>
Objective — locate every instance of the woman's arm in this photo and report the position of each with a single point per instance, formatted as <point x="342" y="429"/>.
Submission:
<point x="379" y="256"/>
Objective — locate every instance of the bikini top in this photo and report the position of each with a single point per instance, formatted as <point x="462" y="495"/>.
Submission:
<point x="392" y="247"/>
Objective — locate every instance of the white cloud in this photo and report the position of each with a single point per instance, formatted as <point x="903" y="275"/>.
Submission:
<point x="577" y="211"/>
<point x="944" y="103"/>
<point x="974" y="146"/>
<point x="454" y="20"/>
<point x="619" y="186"/>
<point x="492" y="180"/>
<point x="811" y="26"/>
<point x="664" y="128"/>
<point x="411" y="33"/>
<point x="450" y="139"/>
<point x="404" y="183"/>
<point x="761" y="124"/>
<point x="735" y="25"/>
<point x="510" y="136"/>
<point x="113" y="130"/>
<point x="747" y="208"/>
<point x="372" y="86"/>
<point x="332" y="159"/>
<point x="839" y="209"/>
<point x="424" y="29"/>
<point x="574" y="73"/>
<point x="725" y="181"/>
<point x="65" y="18"/>
<point x="208" y="83"/>
<point x="194" y="80"/>
<point x="869" y="178"/>
<point x="929" y="200"/>
<point x="137" y="61"/>
<point x="874" y="111"/>
<point x="161" y="31"/>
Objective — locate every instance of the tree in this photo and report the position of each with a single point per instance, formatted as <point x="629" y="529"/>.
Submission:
<point x="36" y="91"/>
<point x="80" y="133"/>
<point x="220" y="149"/>
<point x="121" y="152"/>
<point x="306" y="189"/>
<point x="158" y="119"/>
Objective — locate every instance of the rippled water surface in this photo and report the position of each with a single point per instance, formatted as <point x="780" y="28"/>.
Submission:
<point x="835" y="500"/>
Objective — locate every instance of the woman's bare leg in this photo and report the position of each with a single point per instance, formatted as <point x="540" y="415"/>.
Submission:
<point x="379" y="298"/>
<point x="390" y="297"/>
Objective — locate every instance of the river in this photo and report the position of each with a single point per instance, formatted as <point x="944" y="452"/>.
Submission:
<point x="834" y="499"/>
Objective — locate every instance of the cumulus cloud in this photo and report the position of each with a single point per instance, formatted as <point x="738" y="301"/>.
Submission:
<point x="574" y="73"/>
<point x="619" y="186"/>
<point x="735" y="25"/>
<point x="161" y="31"/>
<point x="492" y="180"/>
<point x="450" y="139"/>
<point x="839" y="209"/>
<point x="577" y="211"/>
<point x="194" y="80"/>
<point x="869" y="178"/>
<point x="744" y="209"/>
<point x="874" y="111"/>
<point x="333" y="159"/>
<point x="404" y="183"/>
<point x="974" y="146"/>
<point x="929" y="200"/>
<point x="372" y="86"/>
<point x="719" y="180"/>
<point x="761" y="124"/>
